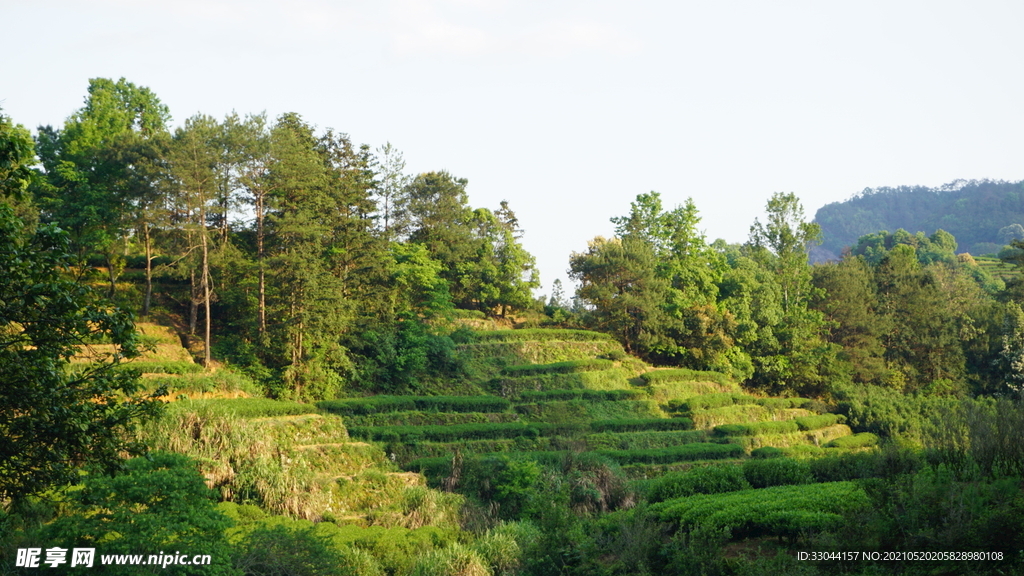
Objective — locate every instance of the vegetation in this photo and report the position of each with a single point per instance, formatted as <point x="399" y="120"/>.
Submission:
<point x="312" y="316"/>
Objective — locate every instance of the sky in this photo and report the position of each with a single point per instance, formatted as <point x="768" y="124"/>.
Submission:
<point x="570" y="109"/>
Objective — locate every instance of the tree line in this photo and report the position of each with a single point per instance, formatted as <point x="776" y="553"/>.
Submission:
<point x="308" y="260"/>
<point x="321" y="268"/>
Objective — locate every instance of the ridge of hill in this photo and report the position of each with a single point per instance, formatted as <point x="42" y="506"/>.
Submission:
<point x="975" y="212"/>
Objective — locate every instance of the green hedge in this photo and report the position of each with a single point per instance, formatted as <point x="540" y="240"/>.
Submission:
<point x="591" y="395"/>
<point x="641" y="424"/>
<point x="171" y="367"/>
<point x="710" y="401"/>
<point x="644" y="440"/>
<point x="784" y="403"/>
<point x="382" y="404"/>
<point x="444" y="433"/>
<point x="437" y="467"/>
<point x="757" y="428"/>
<point x="713" y="479"/>
<point x="568" y="367"/>
<point x="420" y="418"/>
<point x="685" y="374"/>
<point x="246" y="407"/>
<point x="819" y="421"/>
<point x="684" y="453"/>
<point x="862" y="440"/>
<point x="788" y="511"/>
<point x="540" y="334"/>
<point x="762" y="473"/>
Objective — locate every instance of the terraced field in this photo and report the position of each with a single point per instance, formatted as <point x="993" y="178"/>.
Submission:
<point x="997" y="268"/>
<point x="702" y="450"/>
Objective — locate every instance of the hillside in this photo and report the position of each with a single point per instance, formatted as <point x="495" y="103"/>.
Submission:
<point x="972" y="211"/>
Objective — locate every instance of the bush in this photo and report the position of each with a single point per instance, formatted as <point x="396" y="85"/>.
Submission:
<point x="641" y="424"/>
<point x="757" y="428"/>
<point x="862" y="440"/>
<point x="246" y="407"/>
<point x="709" y="401"/>
<point x="685" y="374"/>
<point x="819" y="421"/>
<point x="762" y="473"/>
<point x="179" y="367"/>
<point x="581" y="394"/>
<point x="644" y="440"/>
<point x="789" y="511"/>
<point x="384" y="404"/>
<point x="712" y="479"/>
<point x="784" y="403"/>
<point x="684" y="453"/>
<point x="444" y="433"/>
<point x="567" y="367"/>
<point x="767" y="452"/>
<point x="541" y="334"/>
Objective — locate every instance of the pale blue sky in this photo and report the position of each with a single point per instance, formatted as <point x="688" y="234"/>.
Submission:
<point x="570" y="109"/>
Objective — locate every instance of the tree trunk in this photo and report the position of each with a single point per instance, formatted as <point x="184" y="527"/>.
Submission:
<point x="262" y="313"/>
<point x="206" y="291"/>
<point x="149" y="271"/>
<point x="193" y="311"/>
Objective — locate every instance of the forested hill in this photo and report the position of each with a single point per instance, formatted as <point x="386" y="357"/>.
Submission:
<point x="974" y="211"/>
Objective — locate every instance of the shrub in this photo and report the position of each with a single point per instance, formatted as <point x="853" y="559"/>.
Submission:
<point x="709" y="401"/>
<point x="567" y="367"/>
<point x="641" y="424"/>
<point x="712" y="479"/>
<point x="784" y="403"/>
<point x="384" y="404"/>
<point x="644" y="440"/>
<point x="179" y="367"/>
<point x="777" y="511"/>
<point x="819" y="421"/>
<point x="444" y="433"/>
<point x="581" y="394"/>
<point x="757" y="428"/>
<point x="685" y="374"/>
<point x="762" y="473"/>
<point x="541" y="334"/>
<point x="246" y="407"/>
<point x="767" y="452"/>
<point x="684" y="453"/>
<point x="862" y="440"/>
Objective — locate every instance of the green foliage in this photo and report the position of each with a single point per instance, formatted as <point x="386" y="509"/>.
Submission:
<point x="447" y="433"/>
<point x="819" y="421"/>
<point x="159" y="503"/>
<point x="789" y="511"/>
<point x="591" y="395"/>
<point x="559" y="367"/>
<point x="708" y="401"/>
<point x="757" y="428"/>
<point x="244" y="407"/>
<point x="974" y="211"/>
<point x="644" y="440"/>
<point x="638" y="424"/>
<point x="279" y="549"/>
<point x="613" y="380"/>
<point x="713" y="479"/>
<point x="685" y="375"/>
<point x="684" y="453"/>
<point x="584" y="410"/>
<point x="418" y="418"/>
<point x="767" y="452"/>
<point x="540" y="335"/>
<point x="53" y="418"/>
<point x="765" y="472"/>
<point x="383" y="404"/>
<point x="163" y="367"/>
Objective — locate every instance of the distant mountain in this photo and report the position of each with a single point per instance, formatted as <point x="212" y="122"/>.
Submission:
<point x="979" y="213"/>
